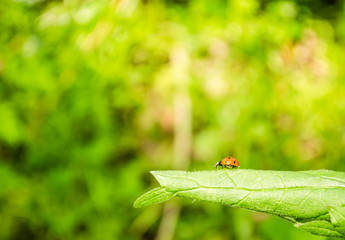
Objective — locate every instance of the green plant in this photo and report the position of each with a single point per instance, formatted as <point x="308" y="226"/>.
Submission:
<point x="312" y="200"/>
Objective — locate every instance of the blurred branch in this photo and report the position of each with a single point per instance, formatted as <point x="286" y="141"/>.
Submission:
<point x="182" y="135"/>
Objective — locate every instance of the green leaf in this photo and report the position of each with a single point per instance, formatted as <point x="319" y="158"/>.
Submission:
<point x="312" y="200"/>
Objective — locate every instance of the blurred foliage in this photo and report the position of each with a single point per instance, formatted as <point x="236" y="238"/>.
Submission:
<point x="94" y="94"/>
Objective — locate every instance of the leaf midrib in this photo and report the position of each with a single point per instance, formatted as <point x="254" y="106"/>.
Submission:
<point x="253" y="189"/>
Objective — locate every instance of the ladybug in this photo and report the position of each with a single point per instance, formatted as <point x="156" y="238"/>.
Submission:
<point x="228" y="162"/>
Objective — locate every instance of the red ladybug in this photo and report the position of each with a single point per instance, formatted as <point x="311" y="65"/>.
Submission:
<point x="228" y="162"/>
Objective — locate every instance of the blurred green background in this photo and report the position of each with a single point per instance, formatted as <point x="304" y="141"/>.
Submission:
<point x="95" y="94"/>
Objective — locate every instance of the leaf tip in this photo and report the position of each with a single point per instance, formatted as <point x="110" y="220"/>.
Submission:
<point x="137" y="203"/>
<point x="154" y="196"/>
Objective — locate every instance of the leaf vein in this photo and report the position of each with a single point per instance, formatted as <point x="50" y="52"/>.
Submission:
<point x="227" y="174"/>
